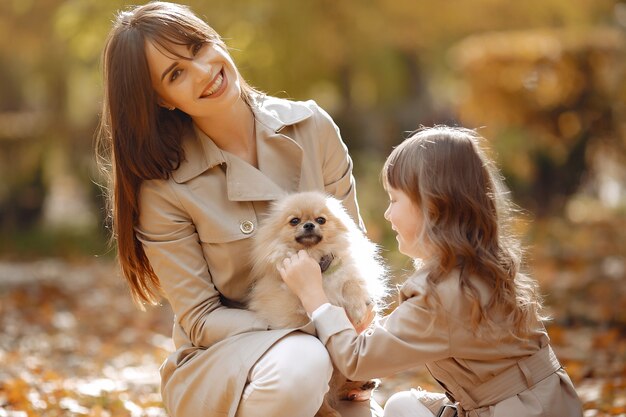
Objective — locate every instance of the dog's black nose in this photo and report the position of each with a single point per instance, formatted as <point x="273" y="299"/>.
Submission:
<point x="308" y="226"/>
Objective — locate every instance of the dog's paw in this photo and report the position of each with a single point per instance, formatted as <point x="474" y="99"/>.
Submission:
<point x="370" y="385"/>
<point x="349" y="387"/>
<point x="357" y="312"/>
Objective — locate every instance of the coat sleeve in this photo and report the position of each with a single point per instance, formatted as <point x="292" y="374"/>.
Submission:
<point x="336" y="164"/>
<point x="398" y="342"/>
<point x="173" y="248"/>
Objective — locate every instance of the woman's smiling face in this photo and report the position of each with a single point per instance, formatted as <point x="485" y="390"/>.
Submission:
<point x="201" y="82"/>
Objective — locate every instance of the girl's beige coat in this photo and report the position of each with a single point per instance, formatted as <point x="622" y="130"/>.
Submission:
<point x="413" y="335"/>
<point x="195" y="229"/>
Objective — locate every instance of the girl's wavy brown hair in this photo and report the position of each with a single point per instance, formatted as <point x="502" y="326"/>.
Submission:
<point x="467" y="217"/>
<point x="137" y="139"/>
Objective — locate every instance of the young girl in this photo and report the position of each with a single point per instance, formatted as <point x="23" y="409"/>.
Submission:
<point x="467" y="312"/>
<point x="195" y="157"/>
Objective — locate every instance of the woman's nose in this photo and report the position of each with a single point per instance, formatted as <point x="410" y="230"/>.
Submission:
<point x="201" y="66"/>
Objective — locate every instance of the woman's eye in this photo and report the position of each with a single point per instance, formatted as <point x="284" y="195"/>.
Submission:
<point x="175" y="74"/>
<point x="320" y="220"/>
<point x="295" y="221"/>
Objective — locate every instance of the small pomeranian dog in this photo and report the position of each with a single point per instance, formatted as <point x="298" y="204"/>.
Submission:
<point x="354" y="276"/>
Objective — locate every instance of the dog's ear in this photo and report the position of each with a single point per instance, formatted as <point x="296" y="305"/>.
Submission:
<point x="339" y="211"/>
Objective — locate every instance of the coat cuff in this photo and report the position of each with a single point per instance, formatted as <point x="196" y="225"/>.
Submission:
<point x="331" y="320"/>
<point x="319" y="310"/>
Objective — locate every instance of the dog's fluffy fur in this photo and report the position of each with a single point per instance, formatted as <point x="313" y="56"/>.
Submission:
<point x="355" y="278"/>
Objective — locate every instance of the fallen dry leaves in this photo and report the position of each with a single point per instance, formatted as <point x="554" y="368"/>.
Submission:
<point x="72" y="344"/>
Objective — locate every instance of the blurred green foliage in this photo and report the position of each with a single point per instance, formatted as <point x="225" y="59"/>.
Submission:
<point x="544" y="78"/>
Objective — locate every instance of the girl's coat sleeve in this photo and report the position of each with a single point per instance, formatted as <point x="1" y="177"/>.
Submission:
<point x="398" y="342"/>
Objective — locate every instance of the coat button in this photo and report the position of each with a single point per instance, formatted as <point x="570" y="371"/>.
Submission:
<point x="246" y="227"/>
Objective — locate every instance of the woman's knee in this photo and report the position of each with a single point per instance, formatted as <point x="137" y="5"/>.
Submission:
<point x="298" y="361"/>
<point x="305" y="363"/>
<point x="290" y="379"/>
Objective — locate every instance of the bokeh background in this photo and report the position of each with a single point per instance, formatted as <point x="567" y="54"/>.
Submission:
<point x="543" y="80"/>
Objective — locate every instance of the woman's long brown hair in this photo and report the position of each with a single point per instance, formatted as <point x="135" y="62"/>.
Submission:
<point x="137" y="139"/>
<point x="467" y="215"/>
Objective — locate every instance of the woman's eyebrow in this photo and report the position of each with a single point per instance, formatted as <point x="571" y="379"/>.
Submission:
<point x="167" y="70"/>
<point x="171" y="67"/>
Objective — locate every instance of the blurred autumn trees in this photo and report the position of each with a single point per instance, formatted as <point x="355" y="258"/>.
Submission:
<point x="554" y="100"/>
<point x="544" y="77"/>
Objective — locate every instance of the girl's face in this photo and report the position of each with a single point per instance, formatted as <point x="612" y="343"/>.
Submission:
<point x="200" y="86"/>
<point x="407" y="221"/>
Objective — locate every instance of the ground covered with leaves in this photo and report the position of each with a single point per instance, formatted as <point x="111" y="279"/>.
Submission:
<point x="73" y="344"/>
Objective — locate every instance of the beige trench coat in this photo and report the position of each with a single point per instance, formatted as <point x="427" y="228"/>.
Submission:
<point x="459" y="360"/>
<point x="195" y="229"/>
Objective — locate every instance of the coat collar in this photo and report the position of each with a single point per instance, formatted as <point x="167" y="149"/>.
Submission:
<point x="414" y="286"/>
<point x="276" y="113"/>
<point x="279" y="156"/>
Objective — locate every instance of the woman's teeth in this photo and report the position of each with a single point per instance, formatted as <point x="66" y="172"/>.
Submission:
<point x="216" y="85"/>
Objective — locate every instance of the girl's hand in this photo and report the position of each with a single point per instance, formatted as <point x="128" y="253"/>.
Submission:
<point x="303" y="276"/>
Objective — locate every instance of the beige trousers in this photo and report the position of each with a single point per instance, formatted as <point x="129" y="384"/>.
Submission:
<point x="291" y="379"/>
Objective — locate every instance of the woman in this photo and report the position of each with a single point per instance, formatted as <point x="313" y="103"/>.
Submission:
<point x="196" y="156"/>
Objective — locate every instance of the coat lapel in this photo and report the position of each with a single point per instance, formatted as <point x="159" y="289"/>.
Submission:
<point x="279" y="156"/>
<point x="246" y="183"/>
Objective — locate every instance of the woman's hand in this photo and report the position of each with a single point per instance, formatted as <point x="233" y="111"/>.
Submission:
<point x="303" y="276"/>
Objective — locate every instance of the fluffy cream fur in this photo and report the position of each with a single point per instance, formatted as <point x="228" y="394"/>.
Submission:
<point x="355" y="278"/>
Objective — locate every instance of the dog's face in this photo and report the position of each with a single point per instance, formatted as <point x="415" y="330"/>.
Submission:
<point x="307" y="220"/>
